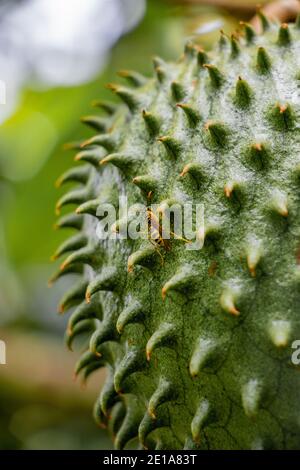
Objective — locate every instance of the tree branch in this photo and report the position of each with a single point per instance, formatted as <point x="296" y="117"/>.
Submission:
<point x="280" y="10"/>
<point x="230" y="5"/>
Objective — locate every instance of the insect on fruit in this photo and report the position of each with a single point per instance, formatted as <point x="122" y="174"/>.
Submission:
<point x="184" y="370"/>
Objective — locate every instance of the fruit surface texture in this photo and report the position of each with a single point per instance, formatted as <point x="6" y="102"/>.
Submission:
<point x="197" y="344"/>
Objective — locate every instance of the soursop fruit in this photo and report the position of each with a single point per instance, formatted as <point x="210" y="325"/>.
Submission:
<point x="197" y="344"/>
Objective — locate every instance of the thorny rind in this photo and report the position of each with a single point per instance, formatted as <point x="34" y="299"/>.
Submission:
<point x="197" y="357"/>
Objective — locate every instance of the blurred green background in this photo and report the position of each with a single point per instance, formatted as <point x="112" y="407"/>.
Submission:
<point x="41" y="407"/>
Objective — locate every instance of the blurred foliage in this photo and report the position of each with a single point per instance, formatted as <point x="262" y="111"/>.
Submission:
<point x="41" y="407"/>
